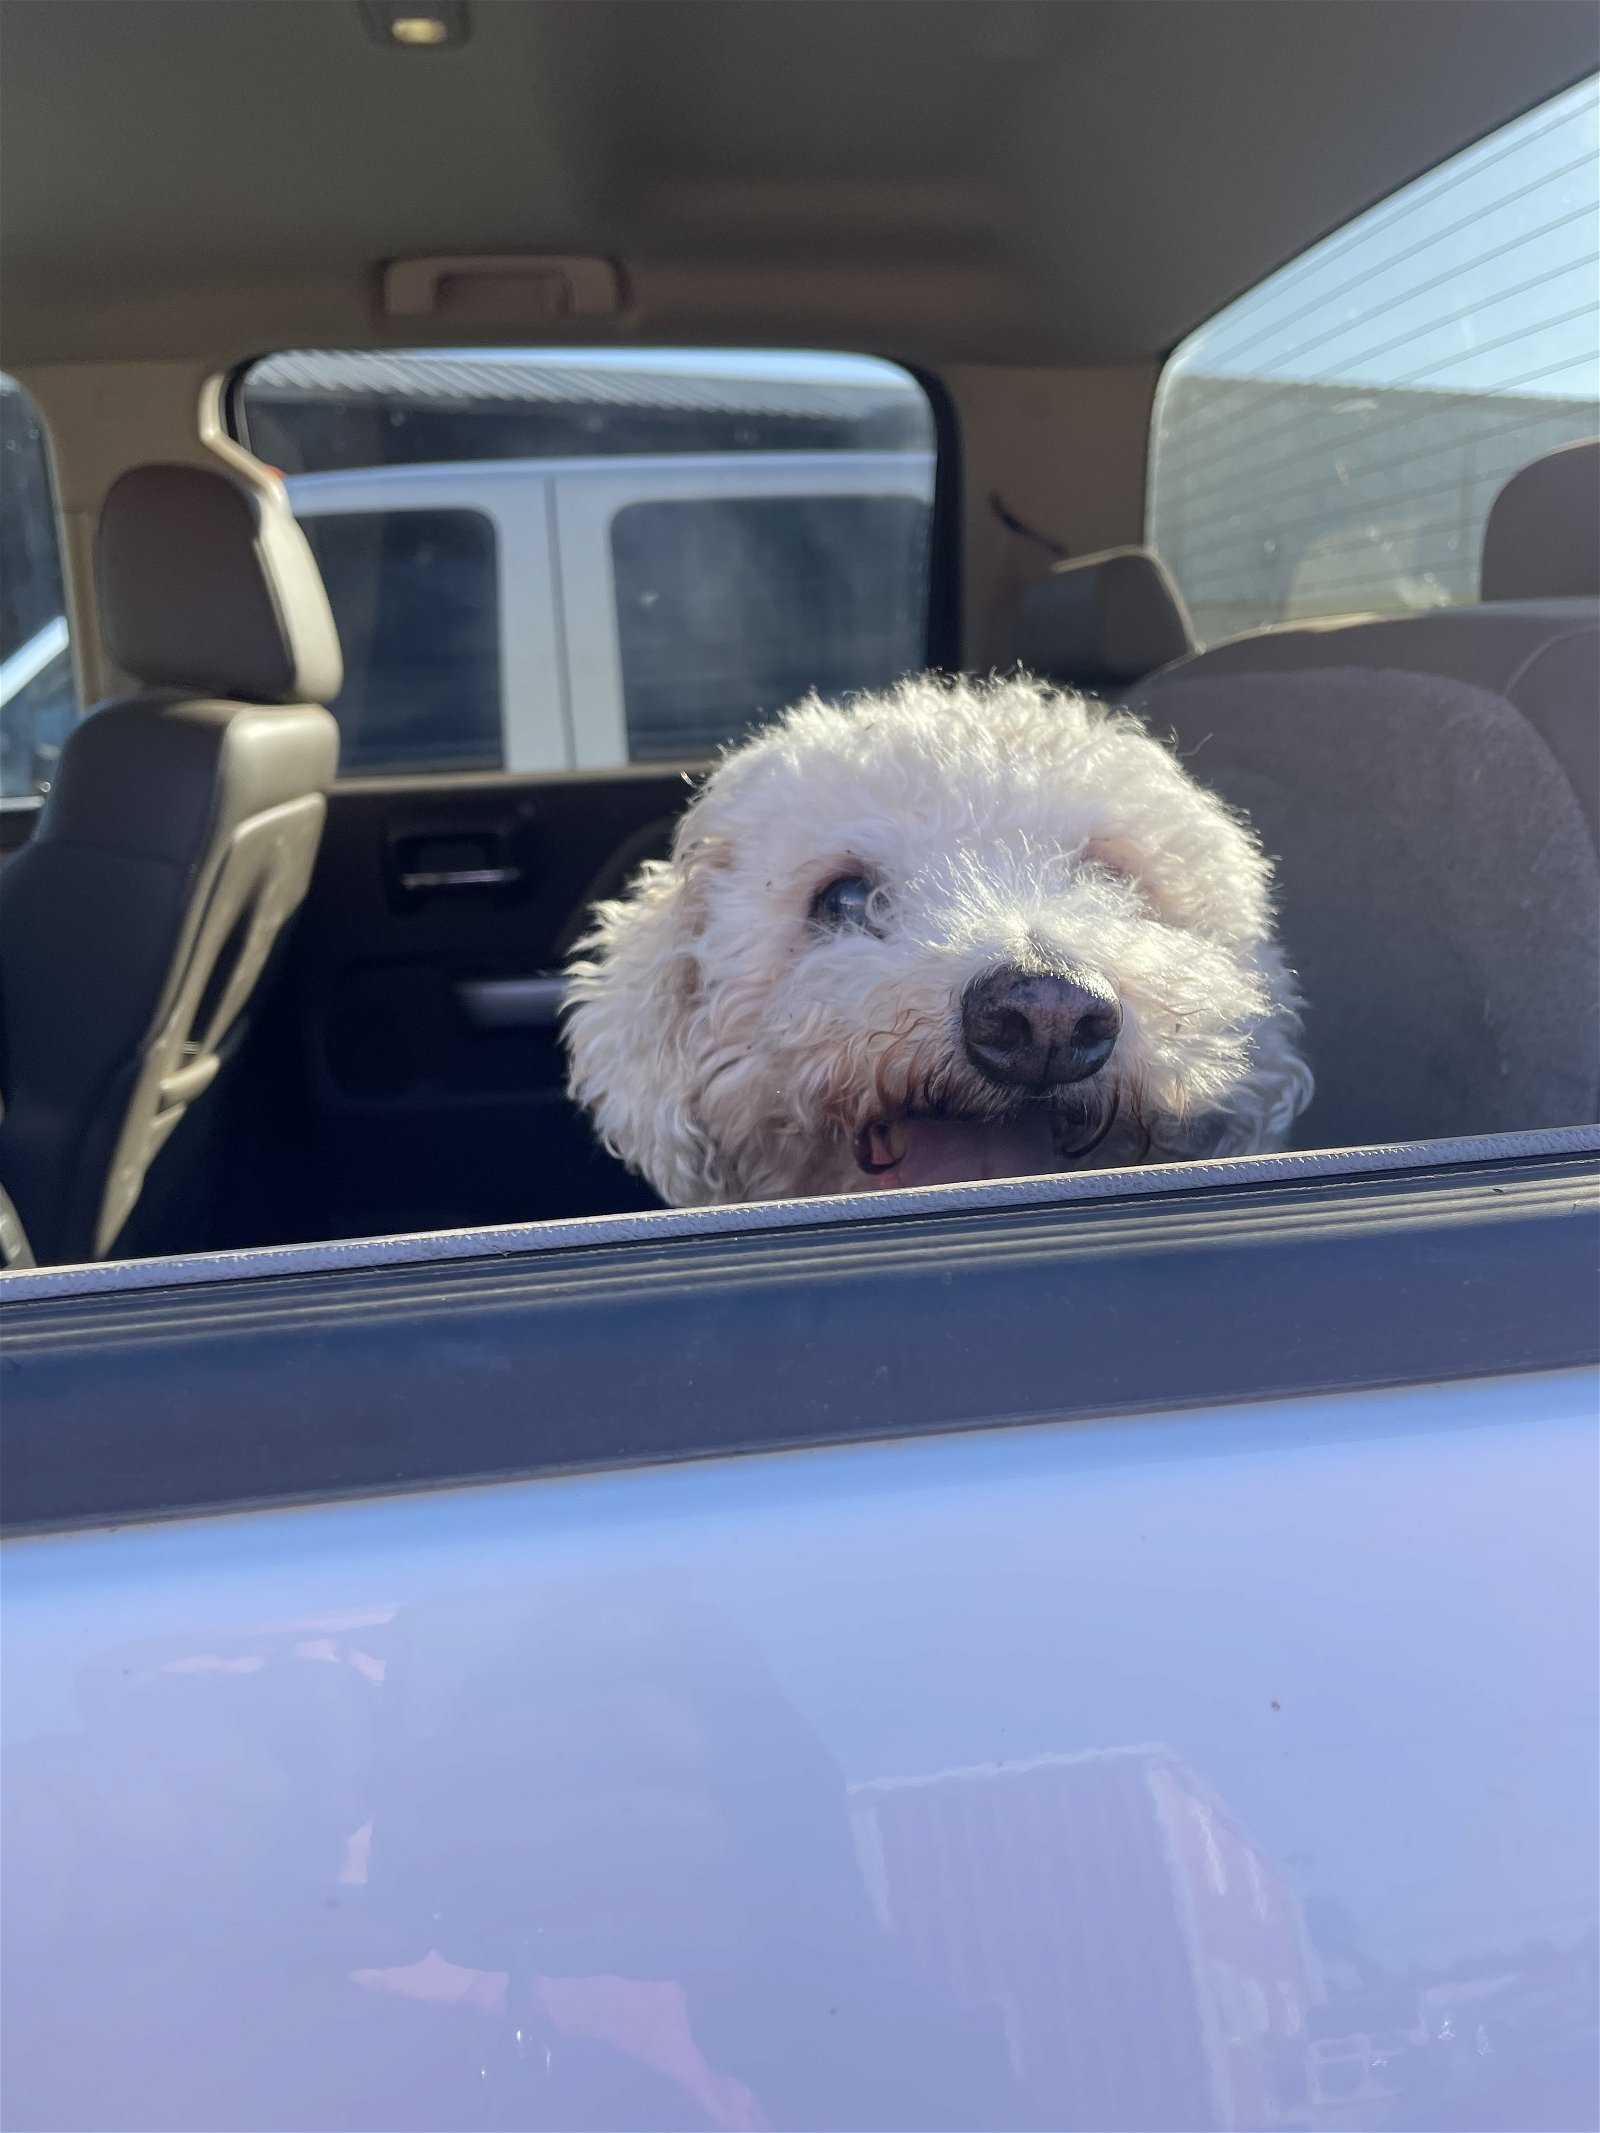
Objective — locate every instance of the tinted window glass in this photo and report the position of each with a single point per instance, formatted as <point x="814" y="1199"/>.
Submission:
<point x="38" y="694"/>
<point x="415" y="595"/>
<point x="729" y="609"/>
<point x="1332" y="442"/>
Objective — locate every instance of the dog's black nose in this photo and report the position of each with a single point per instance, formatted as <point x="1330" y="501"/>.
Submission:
<point x="1035" y="1029"/>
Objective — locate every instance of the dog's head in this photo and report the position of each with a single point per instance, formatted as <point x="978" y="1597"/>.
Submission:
<point x="954" y="931"/>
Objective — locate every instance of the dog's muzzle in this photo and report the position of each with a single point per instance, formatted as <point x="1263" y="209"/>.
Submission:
<point x="1036" y="1030"/>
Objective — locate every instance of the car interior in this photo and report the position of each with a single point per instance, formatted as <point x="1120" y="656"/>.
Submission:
<point x="248" y="1000"/>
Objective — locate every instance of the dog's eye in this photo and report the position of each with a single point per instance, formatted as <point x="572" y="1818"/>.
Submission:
<point x="844" y="906"/>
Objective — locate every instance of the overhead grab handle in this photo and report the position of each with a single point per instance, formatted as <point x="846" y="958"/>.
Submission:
<point x="547" y="285"/>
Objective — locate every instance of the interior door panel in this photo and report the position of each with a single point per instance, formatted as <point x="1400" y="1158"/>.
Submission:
<point x="417" y="1022"/>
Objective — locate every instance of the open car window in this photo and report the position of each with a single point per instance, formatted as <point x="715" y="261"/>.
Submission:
<point x="566" y="579"/>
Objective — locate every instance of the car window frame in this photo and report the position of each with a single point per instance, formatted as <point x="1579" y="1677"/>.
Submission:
<point x="126" y="1447"/>
<point x="471" y="1357"/>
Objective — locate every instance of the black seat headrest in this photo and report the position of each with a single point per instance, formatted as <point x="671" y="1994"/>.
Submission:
<point x="1103" y="621"/>
<point x="1542" y="538"/>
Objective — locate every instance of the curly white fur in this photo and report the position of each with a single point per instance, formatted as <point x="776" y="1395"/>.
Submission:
<point x="729" y="1049"/>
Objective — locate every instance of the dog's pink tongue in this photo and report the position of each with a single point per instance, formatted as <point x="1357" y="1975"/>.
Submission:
<point x="958" y="1151"/>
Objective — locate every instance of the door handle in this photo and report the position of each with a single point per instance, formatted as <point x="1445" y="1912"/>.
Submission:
<point x="428" y="878"/>
<point x="513" y="1003"/>
<point x="441" y="857"/>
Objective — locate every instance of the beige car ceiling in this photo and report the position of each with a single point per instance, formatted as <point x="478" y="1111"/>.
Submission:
<point x="1034" y="199"/>
<point x="1036" y="181"/>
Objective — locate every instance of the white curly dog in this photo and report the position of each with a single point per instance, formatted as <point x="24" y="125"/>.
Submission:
<point x="955" y="931"/>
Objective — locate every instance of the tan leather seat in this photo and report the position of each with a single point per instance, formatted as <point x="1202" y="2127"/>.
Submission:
<point x="178" y="838"/>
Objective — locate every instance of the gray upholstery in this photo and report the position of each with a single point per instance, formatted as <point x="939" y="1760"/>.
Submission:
<point x="1103" y="621"/>
<point x="1542" y="538"/>
<point x="1430" y="788"/>
<point x="1542" y="656"/>
<point x="178" y="837"/>
<point x="1439" y="889"/>
<point x="208" y="584"/>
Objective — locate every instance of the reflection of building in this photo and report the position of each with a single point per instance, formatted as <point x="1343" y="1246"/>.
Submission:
<point x="1362" y="2050"/>
<point x="1149" y="1962"/>
<point x="1507" y="2041"/>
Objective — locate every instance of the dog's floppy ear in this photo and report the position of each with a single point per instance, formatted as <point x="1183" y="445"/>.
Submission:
<point x="1259" y="1113"/>
<point x="634" y="986"/>
<point x="1266" y="1104"/>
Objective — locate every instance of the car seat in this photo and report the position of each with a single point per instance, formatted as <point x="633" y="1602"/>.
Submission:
<point x="1429" y="786"/>
<point x="177" y="839"/>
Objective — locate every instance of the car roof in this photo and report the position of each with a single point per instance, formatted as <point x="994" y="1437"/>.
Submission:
<point x="1046" y="181"/>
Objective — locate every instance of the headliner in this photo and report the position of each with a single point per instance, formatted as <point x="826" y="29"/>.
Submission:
<point x="1057" y="181"/>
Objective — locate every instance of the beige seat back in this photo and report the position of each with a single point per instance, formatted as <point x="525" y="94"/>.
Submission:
<point x="178" y="838"/>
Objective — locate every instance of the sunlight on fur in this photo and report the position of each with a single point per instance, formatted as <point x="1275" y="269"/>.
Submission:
<point x="956" y="930"/>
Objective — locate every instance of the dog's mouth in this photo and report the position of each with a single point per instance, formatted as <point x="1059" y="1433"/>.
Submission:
<point x="934" y="1150"/>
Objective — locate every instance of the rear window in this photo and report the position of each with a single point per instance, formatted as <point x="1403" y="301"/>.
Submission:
<point x="1331" y="443"/>
<point x="545" y="559"/>
<point x="416" y="594"/>
<point x="728" y="610"/>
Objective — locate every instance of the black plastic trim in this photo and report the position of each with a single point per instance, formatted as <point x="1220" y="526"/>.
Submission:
<point x="946" y="622"/>
<point x="18" y="819"/>
<point x="358" y="1380"/>
<point x="653" y="1226"/>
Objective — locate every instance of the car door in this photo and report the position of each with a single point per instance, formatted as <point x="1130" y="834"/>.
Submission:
<point x="408" y="1068"/>
<point x="1102" y="1652"/>
<point x="412" y="1049"/>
